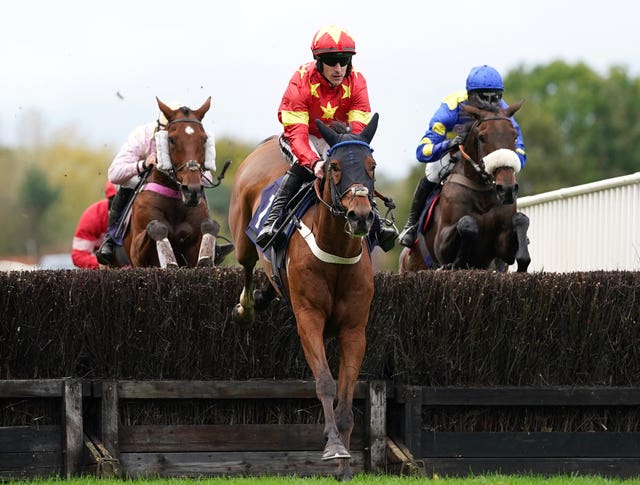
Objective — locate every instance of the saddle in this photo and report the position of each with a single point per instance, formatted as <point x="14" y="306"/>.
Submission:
<point x="293" y="211"/>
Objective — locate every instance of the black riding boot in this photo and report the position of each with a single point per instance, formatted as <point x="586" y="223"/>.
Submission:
<point x="423" y="190"/>
<point x="293" y="180"/>
<point x="386" y="235"/>
<point x="107" y="248"/>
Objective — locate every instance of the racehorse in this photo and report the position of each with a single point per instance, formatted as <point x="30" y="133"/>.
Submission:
<point x="475" y="223"/>
<point x="170" y="224"/>
<point x="328" y="274"/>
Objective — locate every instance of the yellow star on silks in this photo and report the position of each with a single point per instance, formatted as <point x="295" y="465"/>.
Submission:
<point x="302" y="69"/>
<point x="314" y="89"/>
<point x="329" y="112"/>
<point x="347" y="91"/>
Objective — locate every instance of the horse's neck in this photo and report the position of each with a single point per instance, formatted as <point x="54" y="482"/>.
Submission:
<point x="158" y="177"/>
<point x="465" y="168"/>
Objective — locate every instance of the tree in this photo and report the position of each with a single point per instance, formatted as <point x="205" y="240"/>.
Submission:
<point x="578" y="125"/>
<point x="36" y="196"/>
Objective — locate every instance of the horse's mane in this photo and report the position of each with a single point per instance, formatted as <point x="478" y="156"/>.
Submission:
<point x="340" y="127"/>
<point x="267" y="139"/>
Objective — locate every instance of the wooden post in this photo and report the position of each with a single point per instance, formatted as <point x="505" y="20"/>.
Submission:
<point x="413" y="419"/>
<point x="73" y="431"/>
<point x="109" y="418"/>
<point x="376" y="418"/>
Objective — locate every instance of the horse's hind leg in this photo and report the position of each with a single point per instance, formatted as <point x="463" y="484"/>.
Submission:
<point x="264" y="296"/>
<point x="244" y="313"/>
<point x="210" y="230"/>
<point x="520" y="226"/>
<point x="159" y="232"/>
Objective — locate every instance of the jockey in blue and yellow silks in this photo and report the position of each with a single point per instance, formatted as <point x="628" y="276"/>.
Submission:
<point x="446" y="131"/>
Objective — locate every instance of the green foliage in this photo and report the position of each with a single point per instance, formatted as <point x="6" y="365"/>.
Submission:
<point x="578" y="126"/>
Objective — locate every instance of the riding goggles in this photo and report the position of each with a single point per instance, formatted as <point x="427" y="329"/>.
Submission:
<point x="490" y="97"/>
<point x="332" y="59"/>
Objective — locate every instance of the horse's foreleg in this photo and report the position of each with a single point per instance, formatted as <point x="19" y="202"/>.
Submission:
<point x="210" y="230"/>
<point x="310" y="330"/>
<point x="244" y="313"/>
<point x="352" y="348"/>
<point x="520" y="226"/>
<point x="159" y="233"/>
<point x="467" y="228"/>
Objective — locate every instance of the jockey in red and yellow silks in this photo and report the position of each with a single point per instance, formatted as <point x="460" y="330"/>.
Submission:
<point x="310" y="96"/>
<point x="329" y="89"/>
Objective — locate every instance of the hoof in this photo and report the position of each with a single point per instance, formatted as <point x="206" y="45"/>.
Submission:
<point x="243" y="317"/>
<point x="205" y="262"/>
<point x="335" y="451"/>
<point x="221" y="252"/>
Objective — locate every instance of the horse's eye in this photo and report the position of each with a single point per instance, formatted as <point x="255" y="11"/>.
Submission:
<point x="172" y="141"/>
<point x="481" y="138"/>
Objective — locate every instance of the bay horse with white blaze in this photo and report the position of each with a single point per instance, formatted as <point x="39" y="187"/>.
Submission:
<point x="170" y="224"/>
<point x="327" y="277"/>
<point x="475" y="223"/>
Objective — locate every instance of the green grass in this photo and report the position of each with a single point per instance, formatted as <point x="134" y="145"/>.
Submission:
<point x="357" y="480"/>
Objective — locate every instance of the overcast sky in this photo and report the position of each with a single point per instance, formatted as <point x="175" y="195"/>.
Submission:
<point x="98" y="66"/>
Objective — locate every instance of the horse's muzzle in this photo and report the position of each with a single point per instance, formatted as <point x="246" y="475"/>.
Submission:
<point x="507" y="194"/>
<point x="358" y="224"/>
<point x="191" y="194"/>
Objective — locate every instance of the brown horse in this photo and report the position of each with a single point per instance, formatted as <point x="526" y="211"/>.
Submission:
<point x="170" y="224"/>
<point x="475" y="223"/>
<point x="328" y="274"/>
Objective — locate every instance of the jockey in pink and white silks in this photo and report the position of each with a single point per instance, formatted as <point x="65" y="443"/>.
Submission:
<point x="146" y="147"/>
<point x="447" y="127"/>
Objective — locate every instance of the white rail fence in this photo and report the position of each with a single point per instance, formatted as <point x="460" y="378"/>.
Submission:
<point x="588" y="227"/>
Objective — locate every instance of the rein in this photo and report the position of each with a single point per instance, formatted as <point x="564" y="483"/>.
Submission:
<point x="355" y="192"/>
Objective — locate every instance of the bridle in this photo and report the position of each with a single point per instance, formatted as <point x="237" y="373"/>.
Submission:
<point x="190" y="165"/>
<point x="354" y="190"/>
<point x="479" y="166"/>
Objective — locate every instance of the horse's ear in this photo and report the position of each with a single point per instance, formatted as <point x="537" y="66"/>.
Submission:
<point x="201" y="111"/>
<point x="370" y="129"/>
<point x="473" y="111"/>
<point x="511" y="109"/>
<point x="168" y="112"/>
<point x="329" y="135"/>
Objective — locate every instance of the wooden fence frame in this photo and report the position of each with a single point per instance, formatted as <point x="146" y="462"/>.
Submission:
<point x="461" y="453"/>
<point x="42" y="451"/>
<point x="207" y="450"/>
<point x="83" y="442"/>
<point x="96" y="443"/>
